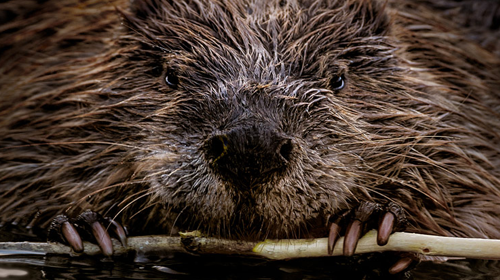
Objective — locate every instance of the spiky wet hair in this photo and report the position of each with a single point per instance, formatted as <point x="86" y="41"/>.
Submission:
<point x="119" y="118"/>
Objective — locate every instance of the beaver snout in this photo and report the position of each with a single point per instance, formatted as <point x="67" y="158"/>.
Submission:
<point x="249" y="155"/>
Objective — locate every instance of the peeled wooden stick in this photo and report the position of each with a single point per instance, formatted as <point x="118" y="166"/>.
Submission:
<point x="278" y="250"/>
<point x="400" y="242"/>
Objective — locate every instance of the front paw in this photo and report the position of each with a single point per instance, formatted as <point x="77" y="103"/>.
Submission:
<point x="368" y="215"/>
<point x="89" y="226"/>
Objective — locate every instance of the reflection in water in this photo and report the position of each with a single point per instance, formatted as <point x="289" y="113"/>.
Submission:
<point x="224" y="267"/>
<point x="5" y="273"/>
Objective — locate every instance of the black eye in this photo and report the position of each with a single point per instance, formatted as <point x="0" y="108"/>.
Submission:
<point x="337" y="82"/>
<point x="171" y="79"/>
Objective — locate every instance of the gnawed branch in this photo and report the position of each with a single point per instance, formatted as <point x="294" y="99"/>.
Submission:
<point x="277" y="250"/>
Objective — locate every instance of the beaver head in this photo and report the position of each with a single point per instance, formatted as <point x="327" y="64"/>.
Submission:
<point x="255" y="121"/>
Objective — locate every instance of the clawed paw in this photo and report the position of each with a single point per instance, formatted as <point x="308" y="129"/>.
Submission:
<point x="386" y="219"/>
<point x="89" y="226"/>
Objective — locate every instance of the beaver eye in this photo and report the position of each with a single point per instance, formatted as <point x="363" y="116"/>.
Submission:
<point x="171" y="79"/>
<point x="337" y="82"/>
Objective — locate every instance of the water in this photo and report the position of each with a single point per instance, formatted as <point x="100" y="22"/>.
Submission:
<point x="224" y="267"/>
<point x="184" y="266"/>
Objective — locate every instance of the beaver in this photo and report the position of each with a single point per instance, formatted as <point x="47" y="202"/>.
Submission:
<point x="248" y="119"/>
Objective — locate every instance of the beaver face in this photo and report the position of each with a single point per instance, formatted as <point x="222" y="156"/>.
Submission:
<point x="256" y="126"/>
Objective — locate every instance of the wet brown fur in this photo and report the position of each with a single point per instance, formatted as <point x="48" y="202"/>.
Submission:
<point x="87" y="121"/>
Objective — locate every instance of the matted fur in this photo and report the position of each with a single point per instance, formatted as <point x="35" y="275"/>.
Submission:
<point x="87" y="121"/>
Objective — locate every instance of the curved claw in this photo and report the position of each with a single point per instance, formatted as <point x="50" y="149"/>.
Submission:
<point x="385" y="228"/>
<point x="333" y="236"/>
<point x="361" y="215"/>
<point x="72" y="236"/>
<point x="400" y="265"/>
<point x="352" y="236"/>
<point x="89" y="225"/>
<point x="118" y="231"/>
<point x="102" y="238"/>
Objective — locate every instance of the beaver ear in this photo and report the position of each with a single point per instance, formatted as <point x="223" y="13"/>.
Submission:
<point x="138" y="12"/>
<point x="156" y="22"/>
<point x="144" y="9"/>
<point x="371" y="14"/>
<point x="363" y="17"/>
<point x="141" y="11"/>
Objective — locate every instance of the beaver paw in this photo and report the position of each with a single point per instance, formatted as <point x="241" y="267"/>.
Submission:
<point x="392" y="218"/>
<point x="88" y="225"/>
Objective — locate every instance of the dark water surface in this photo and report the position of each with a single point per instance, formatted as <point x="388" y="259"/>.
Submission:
<point x="183" y="266"/>
<point x="223" y="267"/>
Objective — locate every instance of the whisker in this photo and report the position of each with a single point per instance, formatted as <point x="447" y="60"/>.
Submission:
<point x="132" y="196"/>
<point x="130" y="203"/>
<point x="143" y="208"/>
<point x="78" y="142"/>
<point x="161" y="172"/>
<point x="176" y="219"/>
<point x="106" y="188"/>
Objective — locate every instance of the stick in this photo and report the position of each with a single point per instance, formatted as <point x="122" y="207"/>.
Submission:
<point x="399" y="242"/>
<point x="278" y="250"/>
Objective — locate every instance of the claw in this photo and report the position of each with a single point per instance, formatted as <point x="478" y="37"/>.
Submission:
<point x="400" y="220"/>
<point x="71" y="235"/>
<point x="102" y="238"/>
<point x="89" y="225"/>
<point x="118" y="231"/>
<point x="400" y="265"/>
<point x="361" y="215"/>
<point x="385" y="228"/>
<point x="333" y="236"/>
<point x="352" y="236"/>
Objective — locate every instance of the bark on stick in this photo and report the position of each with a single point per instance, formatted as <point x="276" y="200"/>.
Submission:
<point x="277" y="249"/>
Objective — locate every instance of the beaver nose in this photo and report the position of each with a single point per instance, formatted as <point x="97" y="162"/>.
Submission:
<point x="249" y="155"/>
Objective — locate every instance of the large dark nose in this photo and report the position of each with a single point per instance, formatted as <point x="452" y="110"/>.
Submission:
<point x="249" y="155"/>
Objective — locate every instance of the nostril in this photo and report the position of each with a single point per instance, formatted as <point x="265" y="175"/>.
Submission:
<point x="217" y="147"/>
<point x="285" y="150"/>
<point x="245" y="157"/>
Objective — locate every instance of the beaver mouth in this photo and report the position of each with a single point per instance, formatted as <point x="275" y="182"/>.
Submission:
<point x="353" y="223"/>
